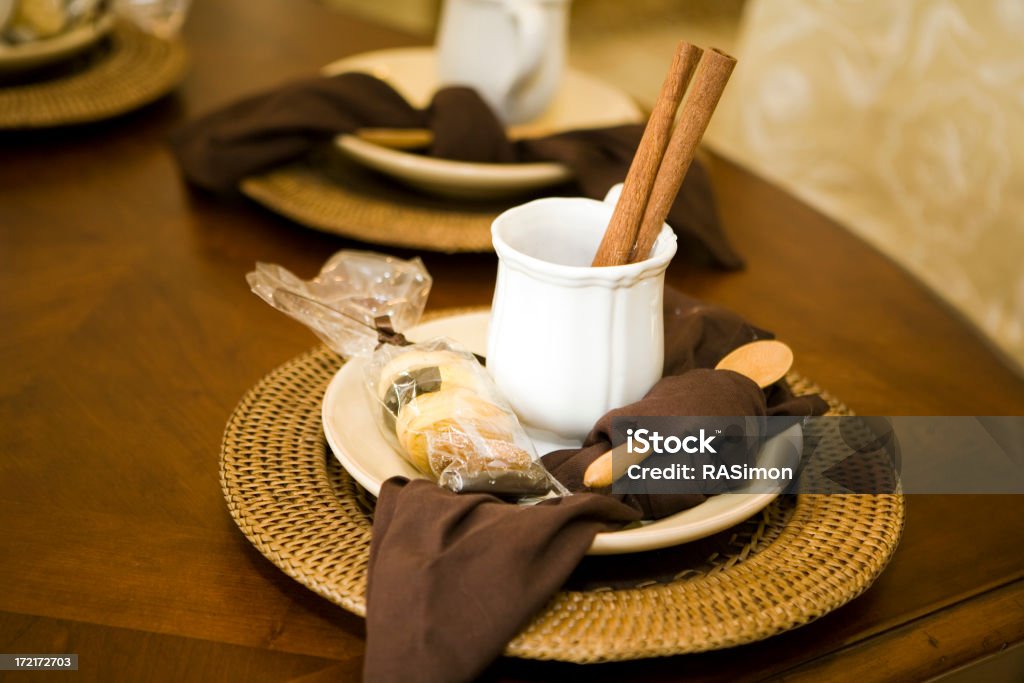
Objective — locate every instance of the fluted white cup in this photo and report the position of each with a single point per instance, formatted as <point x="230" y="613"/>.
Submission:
<point x="568" y="342"/>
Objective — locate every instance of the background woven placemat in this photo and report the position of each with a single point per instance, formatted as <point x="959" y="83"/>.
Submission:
<point x="797" y="560"/>
<point x="128" y="69"/>
<point x="332" y="194"/>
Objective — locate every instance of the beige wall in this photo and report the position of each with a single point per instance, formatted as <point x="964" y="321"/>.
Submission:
<point x="412" y="16"/>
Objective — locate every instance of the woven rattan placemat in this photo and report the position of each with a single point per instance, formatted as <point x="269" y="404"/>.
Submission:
<point x="329" y="193"/>
<point x="128" y="69"/>
<point x="799" y="559"/>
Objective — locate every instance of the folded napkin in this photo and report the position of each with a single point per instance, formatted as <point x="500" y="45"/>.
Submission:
<point x="452" y="578"/>
<point x="272" y="128"/>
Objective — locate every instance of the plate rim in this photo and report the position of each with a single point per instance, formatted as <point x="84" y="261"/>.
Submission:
<point x="467" y="172"/>
<point x="635" y="539"/>
<point x="43" y="51"/>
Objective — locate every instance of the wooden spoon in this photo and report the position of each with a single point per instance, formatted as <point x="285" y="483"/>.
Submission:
<point x="411" y="139"/>
<point x="765" y="362"/>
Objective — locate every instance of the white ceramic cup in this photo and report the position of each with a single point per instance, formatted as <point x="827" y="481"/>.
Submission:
<point x="511" y="51"/>
<point x="568" y="342"/>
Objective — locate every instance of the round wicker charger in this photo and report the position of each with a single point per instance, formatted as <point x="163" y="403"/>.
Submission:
<point x="127" y="70"/>
<point x="332" y="194"/>
<point x="799" y="559"/>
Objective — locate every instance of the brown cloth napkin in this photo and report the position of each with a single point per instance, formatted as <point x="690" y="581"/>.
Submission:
<point x="453" y="578"/>
<point x="218" y="150"/>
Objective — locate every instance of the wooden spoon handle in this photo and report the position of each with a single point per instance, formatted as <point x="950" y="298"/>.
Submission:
<point x="397" y="138"/>
<point x="422" y="138"/>
<point x="610" y="466"/>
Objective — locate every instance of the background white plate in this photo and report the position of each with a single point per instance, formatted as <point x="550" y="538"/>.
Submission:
<point x="363" y="451"/>
<point x="41" y="52"/>
<point x="582" y="102"/>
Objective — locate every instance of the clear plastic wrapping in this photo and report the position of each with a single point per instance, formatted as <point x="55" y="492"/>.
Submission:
<point x="344" y="303"/>
<point x="442" y="411"/>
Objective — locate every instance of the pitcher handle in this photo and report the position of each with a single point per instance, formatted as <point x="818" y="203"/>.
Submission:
<point x="533" y="29"/>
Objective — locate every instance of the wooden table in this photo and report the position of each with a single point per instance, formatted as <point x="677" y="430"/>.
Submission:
<point x="129" y="333"/>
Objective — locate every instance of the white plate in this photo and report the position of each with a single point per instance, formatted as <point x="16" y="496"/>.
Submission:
<point x="358" y="444"/>
<point x="38" y="53"/>
<point x="582" y="102"/>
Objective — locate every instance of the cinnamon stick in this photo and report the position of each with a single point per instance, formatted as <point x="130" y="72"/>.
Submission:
<point x="709" y="81"/>
<point x="617" y="243"/>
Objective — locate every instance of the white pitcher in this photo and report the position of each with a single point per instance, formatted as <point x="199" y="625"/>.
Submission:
<point x="568" y="342"/>
<point x="7" y="8"/>
<point x="511" y="51"/>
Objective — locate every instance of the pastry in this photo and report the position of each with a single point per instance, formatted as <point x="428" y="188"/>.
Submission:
<point x="451" y="418"/>
<point x="418" y="372"/>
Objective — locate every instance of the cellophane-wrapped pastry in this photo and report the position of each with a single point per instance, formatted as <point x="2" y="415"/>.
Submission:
<point x="444" y="413"/>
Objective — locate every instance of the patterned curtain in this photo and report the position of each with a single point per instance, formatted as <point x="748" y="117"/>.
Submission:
<point x="904" y="120"/>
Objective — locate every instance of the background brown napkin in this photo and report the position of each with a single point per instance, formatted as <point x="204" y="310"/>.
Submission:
<point x="266" y="130"/>
<point x="453" y="578"/>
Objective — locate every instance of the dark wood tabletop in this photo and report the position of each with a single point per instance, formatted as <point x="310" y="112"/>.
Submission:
<point x="129" y="334"/>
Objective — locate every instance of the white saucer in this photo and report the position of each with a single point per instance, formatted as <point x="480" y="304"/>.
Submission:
<point x="361" y="449"/>
<point x="14" y="58"/>
<point x="582" y="102"/>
